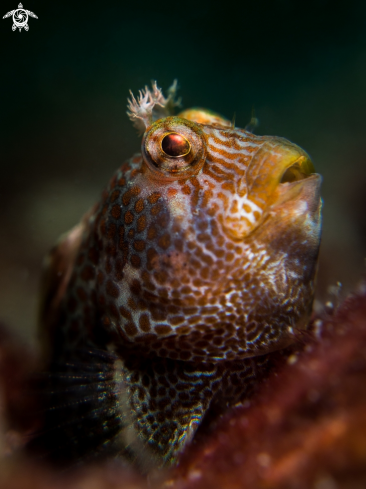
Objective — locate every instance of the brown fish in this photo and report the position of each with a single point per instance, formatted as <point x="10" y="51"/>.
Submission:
<point x="162" y="304"/>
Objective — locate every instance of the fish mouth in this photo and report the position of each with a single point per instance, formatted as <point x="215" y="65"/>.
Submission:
<point x="297" y="177"/>
<point x="277" y="169"/>
<point x="280" y="173"/>
<point x="298" y="181"/>
<point x="300" y="169"/>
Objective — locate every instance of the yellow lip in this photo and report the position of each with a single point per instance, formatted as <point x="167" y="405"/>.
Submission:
<point x="298" y="170"/>
<point x="277" y="162"/>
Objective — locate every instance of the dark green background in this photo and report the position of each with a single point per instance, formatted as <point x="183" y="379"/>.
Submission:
<point x="64" y="130"/>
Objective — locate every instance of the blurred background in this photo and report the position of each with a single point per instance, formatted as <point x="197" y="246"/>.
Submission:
<point x="64" y="130"/>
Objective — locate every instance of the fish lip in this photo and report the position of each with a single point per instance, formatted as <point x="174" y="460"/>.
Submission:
<point x="308" y="188"/>
<point x="304" y="181"/>
<point x="268" y="167"/>
<point x="302" y="165"/>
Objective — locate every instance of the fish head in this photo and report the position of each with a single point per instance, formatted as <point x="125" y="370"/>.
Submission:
<point x="225" y="261"/>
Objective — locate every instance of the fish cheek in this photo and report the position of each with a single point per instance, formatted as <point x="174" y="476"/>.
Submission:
<point x="158" y="243"/>
<point x="293" y="249"/>
<point x="298" y="233"/>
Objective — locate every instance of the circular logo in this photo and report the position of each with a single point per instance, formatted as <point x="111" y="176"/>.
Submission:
<point x="20" y="17"/>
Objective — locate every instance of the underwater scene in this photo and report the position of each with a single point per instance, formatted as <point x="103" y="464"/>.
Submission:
<point x="182" y="245"/>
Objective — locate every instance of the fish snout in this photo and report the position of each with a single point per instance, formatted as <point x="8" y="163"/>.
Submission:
<point x="280" y="171"/>
<point x="277" y="162"/>
<point x="282" y="181"/>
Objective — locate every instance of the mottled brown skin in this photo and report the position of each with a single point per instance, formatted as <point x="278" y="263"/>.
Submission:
<point x="307" y="428"/>
<point x="186" y="274"/>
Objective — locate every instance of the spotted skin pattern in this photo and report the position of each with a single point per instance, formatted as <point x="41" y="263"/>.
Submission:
<point x="190" y="270"/>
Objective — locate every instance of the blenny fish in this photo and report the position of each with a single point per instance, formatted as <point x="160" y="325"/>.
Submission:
<point x="163" y="304"/>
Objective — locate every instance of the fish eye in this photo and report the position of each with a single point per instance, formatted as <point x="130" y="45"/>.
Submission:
<point x="175" y="145"/>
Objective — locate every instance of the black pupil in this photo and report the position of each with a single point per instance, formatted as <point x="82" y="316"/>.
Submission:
<point x="175" y="145"/>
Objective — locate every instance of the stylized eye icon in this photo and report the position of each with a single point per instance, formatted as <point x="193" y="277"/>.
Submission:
<point x="175" y="145"/>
